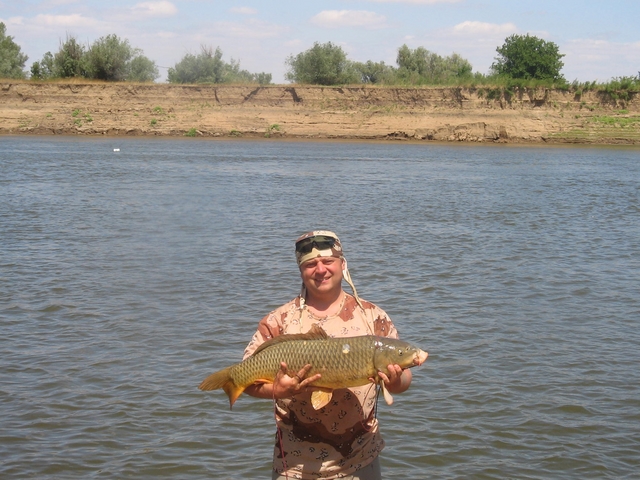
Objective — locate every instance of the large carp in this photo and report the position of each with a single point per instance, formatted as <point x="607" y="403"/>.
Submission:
<point x="342" y="362"/>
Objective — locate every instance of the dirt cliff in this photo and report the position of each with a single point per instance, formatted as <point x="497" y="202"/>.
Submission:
<point x="292" y="111"/>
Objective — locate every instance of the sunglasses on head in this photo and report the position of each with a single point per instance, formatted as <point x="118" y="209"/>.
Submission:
<point x="320" y="242"/>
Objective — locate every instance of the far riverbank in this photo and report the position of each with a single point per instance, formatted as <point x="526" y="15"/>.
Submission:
<point x="449" y="114"/>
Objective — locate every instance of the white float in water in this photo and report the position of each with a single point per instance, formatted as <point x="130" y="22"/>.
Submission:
<point x="116" y="149"/>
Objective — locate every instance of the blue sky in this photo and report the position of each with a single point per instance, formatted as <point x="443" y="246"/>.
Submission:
<point x="600" y="40"/>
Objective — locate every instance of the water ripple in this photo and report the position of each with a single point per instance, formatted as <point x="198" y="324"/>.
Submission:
<point x="124" y="280"/>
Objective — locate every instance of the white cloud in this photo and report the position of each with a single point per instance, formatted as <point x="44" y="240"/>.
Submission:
<point x="155" y="9"/>
<point x="468" y="36"/>
<point x="243" y="10"/>
<point x="602" y="60"/>
<point x="65" y="21"/>
<point x="348" y="18"/>
<point x="12" y="22"/>
<point x="483" y="28"/>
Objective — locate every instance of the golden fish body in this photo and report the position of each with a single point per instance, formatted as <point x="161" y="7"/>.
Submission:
<point x="342" y="362"/>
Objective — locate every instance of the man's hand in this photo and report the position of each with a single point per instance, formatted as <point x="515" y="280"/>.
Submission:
<point x="397" y="381"/>
<point x="286" y="385"/>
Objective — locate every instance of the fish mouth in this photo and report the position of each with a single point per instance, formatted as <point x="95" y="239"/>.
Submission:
<point x="420" y="357"/>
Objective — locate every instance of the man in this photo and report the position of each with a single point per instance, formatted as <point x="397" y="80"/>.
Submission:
<point x="340" y="440"/>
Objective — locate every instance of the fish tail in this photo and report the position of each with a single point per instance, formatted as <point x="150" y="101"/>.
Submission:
<point x="216" y="380"/>
<point x="222" y="379"/>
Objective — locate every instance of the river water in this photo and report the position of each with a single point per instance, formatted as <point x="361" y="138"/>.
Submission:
<point x="126" y="277"/>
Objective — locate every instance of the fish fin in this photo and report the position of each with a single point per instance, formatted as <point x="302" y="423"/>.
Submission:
<point x="222" y="379"/>
<point x="233" y="392"/>
<point x="320" y="398"/>
<point x="387" y="396"/>
<point x="216" y="380"/>
<point x="317" y="330"/>
<point x="262" y="380"/>
<point x="316" y="333"/>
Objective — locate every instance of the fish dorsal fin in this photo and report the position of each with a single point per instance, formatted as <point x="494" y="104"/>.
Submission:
<point x="319" y="398"/>
<point x="316" y="333"/>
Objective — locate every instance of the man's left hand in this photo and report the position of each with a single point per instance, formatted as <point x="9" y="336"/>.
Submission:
<point x="397" y="380"/>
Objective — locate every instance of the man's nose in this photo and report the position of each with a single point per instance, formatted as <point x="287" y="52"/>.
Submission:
<point x="320" y="268"/>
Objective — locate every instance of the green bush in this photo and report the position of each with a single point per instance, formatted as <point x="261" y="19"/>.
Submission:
<point x="262" y="78"/>
<point x="109" y="58"/>
<point x="375" y="73"/>
<point x="618" y="84"/>
<point x="327" y="64"/>
<point x="141" y="69"/>
<point x="208" y="67"/>
<point x="44" y="68"/>
<point x="322" y="64"/>
<point x="420" y="66"/>
<point x="205" y="67"/>
<point x="70" y="60"/>
<point x="12" y="60"/>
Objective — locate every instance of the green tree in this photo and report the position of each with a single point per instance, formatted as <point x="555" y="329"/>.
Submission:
<point x="231" y="73"/>
<point x="413" y="60"/>
<point x="262" y="78"/>
<point x="70" y="60"/>
<point x="322" y="64"/>
<point x="141" y="69"/>
<point x="206" y="67"/>
<point x="421" y="66"/>
<point x="528" y="57"/>
<point x="235" y="75"/>
<point x="43" y="69"/>
<point x="109" y="58"/>
<point x="12" y="60"/>
<point x="375" y="72"/>
<point x="456" y="66"/>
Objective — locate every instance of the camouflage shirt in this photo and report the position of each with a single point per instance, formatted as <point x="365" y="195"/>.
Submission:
<point x="343" y="436"/>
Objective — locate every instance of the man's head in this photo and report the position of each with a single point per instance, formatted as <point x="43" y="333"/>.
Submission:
<point x="319" y="243"/>
<point x="313" y="246"/>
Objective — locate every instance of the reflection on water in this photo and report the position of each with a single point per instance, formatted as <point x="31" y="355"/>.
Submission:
<point x="126" y="277"/>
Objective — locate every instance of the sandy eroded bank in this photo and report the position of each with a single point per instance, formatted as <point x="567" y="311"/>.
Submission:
<point x="421" y="114"/>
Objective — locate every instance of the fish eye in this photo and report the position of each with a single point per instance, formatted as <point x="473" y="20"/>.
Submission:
<point x="400" y="352"/>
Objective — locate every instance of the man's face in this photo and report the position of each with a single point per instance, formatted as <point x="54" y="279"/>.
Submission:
<point x="322" y="275"/>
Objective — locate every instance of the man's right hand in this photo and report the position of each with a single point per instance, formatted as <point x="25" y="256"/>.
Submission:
<point x="286" y="385"/>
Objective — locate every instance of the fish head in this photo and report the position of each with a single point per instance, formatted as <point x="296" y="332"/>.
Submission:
<point x="390" y="351"/>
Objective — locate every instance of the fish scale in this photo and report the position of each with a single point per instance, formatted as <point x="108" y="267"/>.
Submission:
<point x="342" y="362"/>
<point x="326" y="357"/>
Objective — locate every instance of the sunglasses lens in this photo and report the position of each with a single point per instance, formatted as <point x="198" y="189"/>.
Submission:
<point x="319" y="242"/>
